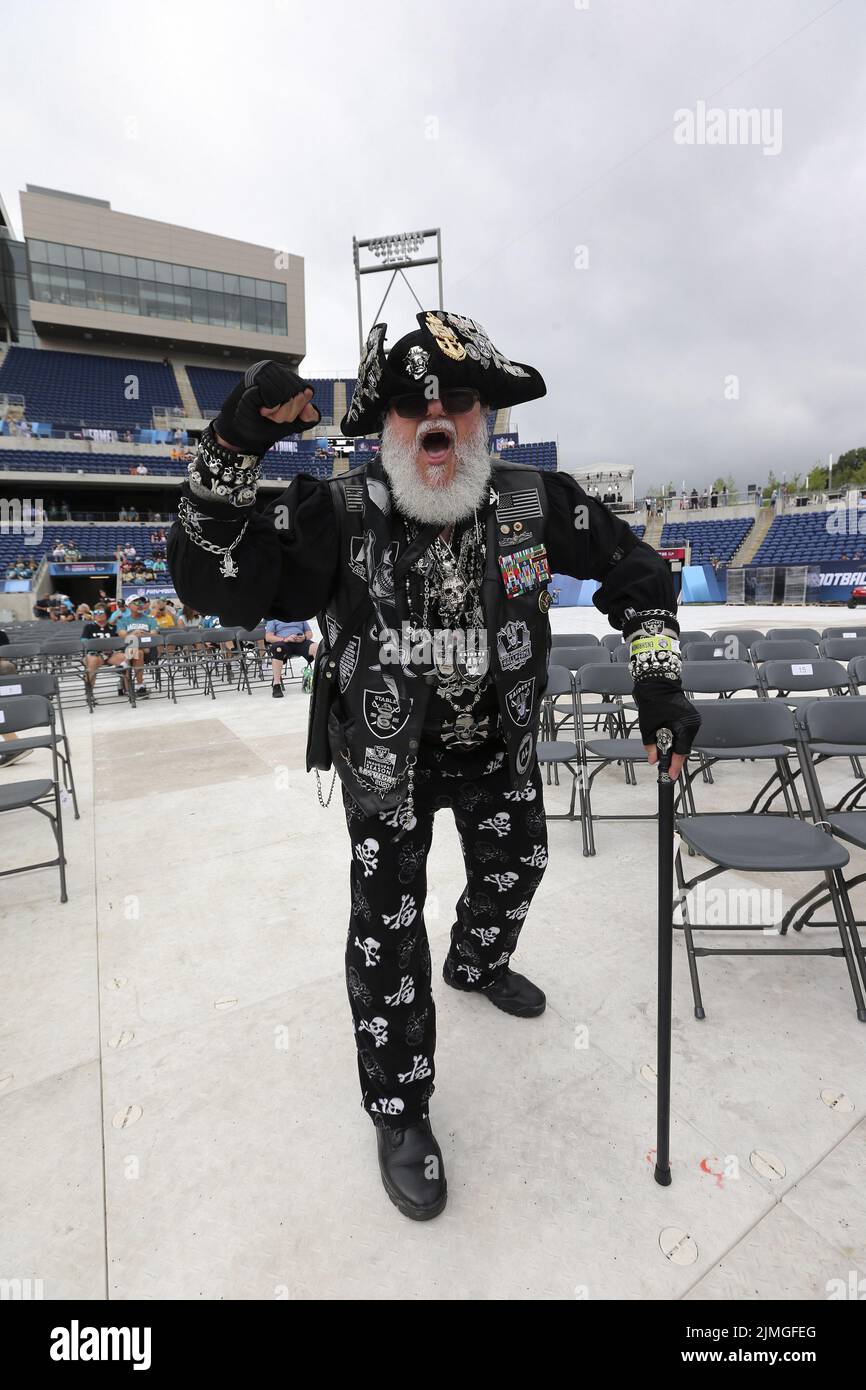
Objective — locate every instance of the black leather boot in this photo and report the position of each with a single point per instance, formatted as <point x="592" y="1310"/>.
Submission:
<point x="510" y="992"/>
<point x="413" y="1173"/>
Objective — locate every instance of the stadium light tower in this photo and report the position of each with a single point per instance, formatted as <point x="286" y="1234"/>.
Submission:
<point x="396" y="253"/>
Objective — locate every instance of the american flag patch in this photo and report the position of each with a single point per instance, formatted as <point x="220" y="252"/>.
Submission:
<point x="354" y="495"/>
<point x="519" y="506"/>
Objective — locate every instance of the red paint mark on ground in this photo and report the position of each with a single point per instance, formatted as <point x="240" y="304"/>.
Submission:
<point x="711" y="1172"/>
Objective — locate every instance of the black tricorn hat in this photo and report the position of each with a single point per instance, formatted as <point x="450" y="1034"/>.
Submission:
<point x="445" y="350"/>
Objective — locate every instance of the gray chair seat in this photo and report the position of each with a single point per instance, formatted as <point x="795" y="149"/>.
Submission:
<point x="766" y="750"/>
<point x="851" y="825"/>
<point x="29" y="741"/>
<point x="15" y="794"/>
<point x="840" y="750"/>
<point x="556" y="751"/>
<point x="761" y="844"/>
<point x="614" y="749"/>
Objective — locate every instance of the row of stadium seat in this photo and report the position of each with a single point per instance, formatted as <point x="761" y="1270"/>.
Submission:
<point x="808" y="539"/>
<point x="68" y="388"/>
<point x="709" y="540"/>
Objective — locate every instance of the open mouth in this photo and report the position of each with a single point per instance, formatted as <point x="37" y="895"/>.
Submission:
<point x="436" y="445"/>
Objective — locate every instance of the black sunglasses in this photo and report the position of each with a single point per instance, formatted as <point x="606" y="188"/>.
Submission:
<point x="456" y="401"/>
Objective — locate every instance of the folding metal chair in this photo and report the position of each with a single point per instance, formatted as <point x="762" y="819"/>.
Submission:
<point x="574" y="639"/>
<point x="832" y="730"/>
<point x="780" y="678"/>
<point x="794" y="634"/>
<point x="19" y="713"/>
<point x="842" y="648"/>
<point x="615" y="683"/>
<point x="758" y="844"/>
<point x="797" y="649"/>
<point x="554" y="752"/>
<point x="45" y="685"/>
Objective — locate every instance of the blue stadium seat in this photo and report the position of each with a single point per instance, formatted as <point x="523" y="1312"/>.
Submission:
<point x="73" y="388"/>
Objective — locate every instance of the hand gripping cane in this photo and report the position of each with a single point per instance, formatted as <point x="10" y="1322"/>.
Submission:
<point x="664" y="742"/>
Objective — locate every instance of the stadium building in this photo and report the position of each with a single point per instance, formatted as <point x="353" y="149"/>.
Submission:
<point x="120" y="336"/>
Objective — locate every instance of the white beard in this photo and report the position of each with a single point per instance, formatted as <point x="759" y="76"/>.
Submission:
<point x="440" y="506"/>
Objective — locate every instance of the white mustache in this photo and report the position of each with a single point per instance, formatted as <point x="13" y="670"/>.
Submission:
<point x="440" y="426"/>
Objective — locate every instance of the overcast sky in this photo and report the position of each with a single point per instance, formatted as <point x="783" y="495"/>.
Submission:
<point x="718" y="325"/>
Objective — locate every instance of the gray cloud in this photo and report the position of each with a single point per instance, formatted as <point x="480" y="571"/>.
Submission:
<point x="298" y="125"/>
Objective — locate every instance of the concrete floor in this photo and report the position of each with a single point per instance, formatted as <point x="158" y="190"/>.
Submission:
<point x="180" y="1112"/>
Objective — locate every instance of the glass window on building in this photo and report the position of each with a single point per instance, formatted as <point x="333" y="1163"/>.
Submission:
<point x="263" y="289"/>
<point x="128" y="267"/>
<point x="41" y="277"/>
<point x="248" y="286"/>
<point x="56" y="254"/>
<point x="231" y="284"/>
<point x="93" y="260"/>
<point x="198" y="278"/>
<point x="129" y="292"/>
<point x="232" y="309"/>
<point x="149" y="304"/>
<point x="248" y="314"/>
<point x="93" y="284"/>
<point x="110" y="263"/>
<point x="77" y="288"/>
<point x="183" y="303"/>
<point x="74" y="258"/>
<point x="37" y="250"/>
<point x="113" y="296"/>
<point x="146" y="269"/>
<point x="180" y="275"/>
<point x="215" y="281"/>
<point x="199" y="306"/>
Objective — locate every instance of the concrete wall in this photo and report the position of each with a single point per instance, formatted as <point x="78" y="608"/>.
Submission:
<point x="89" y="224"/>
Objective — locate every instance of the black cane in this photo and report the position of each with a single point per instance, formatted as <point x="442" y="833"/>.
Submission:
<point x="664" y="740"/>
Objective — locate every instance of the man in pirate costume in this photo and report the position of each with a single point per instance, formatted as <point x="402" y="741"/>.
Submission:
<point x="429" y="570"/>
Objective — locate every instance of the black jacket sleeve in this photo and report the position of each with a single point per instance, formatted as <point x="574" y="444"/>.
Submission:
<point x="587" y="541"/>
<point x="287" y="560"/>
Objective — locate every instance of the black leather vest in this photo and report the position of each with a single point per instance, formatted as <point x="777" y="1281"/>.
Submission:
<point x="377" y="714"/>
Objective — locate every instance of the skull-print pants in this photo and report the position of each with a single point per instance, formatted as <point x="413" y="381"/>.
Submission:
<point x="503" y="835"/>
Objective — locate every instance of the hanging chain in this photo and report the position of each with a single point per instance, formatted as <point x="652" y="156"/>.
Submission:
<point x="325" y="804"/>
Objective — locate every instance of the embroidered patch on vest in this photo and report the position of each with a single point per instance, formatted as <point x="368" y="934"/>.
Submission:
<point x="519" y="701"/>
<point x="524" y="570"/>
<point x="519" y="506"/>
<point x="513" y="645"/>
<point x="384" y="714"/>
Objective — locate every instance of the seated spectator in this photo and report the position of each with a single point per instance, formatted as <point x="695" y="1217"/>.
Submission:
<point x="72" y="551"/>
<point x="83" y="612"/>
<point x="58" y="551"/>
<point x="41" y="607"/>
<point x="136" y="619"/>
<point x="132" y="514"/>
<point x="129" y="551"/>
<point x="163" y="614"/>
<point x="98" y="627"/>
<point x="141" y="470"/>
<point x="188" y="617"/>
<point x="286" y="640"/>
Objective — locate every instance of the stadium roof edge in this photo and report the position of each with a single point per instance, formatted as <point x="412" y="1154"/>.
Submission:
<point x="61" y="193"/>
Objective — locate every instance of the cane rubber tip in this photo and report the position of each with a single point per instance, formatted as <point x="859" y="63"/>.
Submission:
<point x="662" y="1176"/>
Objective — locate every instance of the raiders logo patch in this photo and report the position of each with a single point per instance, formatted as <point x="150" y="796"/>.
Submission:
<point x="384" y="714"/>
<point x="519" y="701"/>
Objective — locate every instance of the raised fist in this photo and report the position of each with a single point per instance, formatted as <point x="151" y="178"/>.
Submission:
<point x="271" y="402"/>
